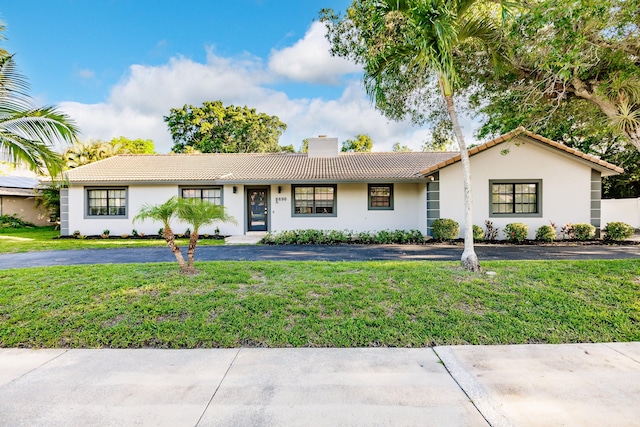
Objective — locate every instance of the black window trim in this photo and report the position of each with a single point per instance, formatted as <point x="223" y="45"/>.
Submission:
<point x="537" y="214"/>
<point x="380" y="208"/>
<point x="87" y="214"/>
<point x="316" y="215"/>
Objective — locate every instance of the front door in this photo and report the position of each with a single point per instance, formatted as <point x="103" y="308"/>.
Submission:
<point x="258" y="208"/>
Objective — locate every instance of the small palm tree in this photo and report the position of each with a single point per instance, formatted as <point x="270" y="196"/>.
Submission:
<point x="164" y="213"/>
<point x="28" y="133"/>
<point x="198" y="213"/>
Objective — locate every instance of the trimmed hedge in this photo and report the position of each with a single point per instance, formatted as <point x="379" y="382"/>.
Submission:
<point x="445" y="229"/>
<point x="334" y="237"/>
<point x="583" y="231"/>
<point x="546" y="233"/>
<point x="617" y="231"/>
<point x="516" y="232"/>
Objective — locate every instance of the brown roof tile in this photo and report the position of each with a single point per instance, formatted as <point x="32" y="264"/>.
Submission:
<point x="257" y="167"/>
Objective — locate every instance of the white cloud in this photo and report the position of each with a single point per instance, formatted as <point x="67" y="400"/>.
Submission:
<point x="86" y="73"/>
<point x="137" y="104"/>
<point x="309" y="60"/>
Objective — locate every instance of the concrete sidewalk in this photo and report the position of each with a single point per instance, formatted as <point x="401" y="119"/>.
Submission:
<point x="521" y="385"/>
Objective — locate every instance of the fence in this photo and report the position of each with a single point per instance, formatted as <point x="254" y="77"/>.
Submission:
<point x="624" y="210"/>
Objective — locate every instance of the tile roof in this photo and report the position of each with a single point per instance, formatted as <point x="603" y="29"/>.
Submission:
<point x="601" y="165"/>
<point x="257" y="167"/>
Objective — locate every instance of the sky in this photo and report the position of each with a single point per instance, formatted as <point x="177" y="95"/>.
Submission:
<point x="117" y="67"/>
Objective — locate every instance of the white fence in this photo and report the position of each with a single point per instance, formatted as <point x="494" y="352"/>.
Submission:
<point x="624" y="210"/>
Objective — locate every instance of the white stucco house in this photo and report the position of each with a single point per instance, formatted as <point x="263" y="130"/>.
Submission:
<point x="518" y="177"/>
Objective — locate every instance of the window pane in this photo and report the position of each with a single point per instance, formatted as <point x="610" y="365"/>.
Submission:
<point x="191" y="193"/>
<point x="314" y="200"/>
<point x="380" y="196"/>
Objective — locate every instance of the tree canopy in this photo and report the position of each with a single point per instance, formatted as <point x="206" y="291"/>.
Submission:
<point x="574" y="78"/>
<point x="409" y="50"/>
<point x="214" y="128"/>
<point x="361" y="144"/>
<point x="83" y="153"/>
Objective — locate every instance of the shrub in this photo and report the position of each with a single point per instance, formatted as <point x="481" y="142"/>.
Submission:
<point x="546" y="233"/>
<point x="516" y="232"/>
<point x="478" y="233"/>
<point x="584" y="231"/>
<point x="445" y="229"/>
<point x="617" y="231"/>
<point x="12" y="221"/>
<point x="567" y="231"/>
<point x="491" y="232"/>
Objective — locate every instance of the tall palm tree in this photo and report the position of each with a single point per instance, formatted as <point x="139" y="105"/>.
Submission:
<point x="403" y="44"/>
<point x="28" y="133"/>
<point x="198" y="213"/>
<point x="164" y="213"/>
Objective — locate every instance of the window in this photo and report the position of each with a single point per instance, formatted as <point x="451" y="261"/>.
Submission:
<point x="314" y="200"/>
<point x="515" y="198"/>
<point x="107" y="202"/>
<point x="211" y="194"/>
<point x="380" y="196"/>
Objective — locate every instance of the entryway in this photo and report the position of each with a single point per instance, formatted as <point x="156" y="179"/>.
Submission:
<point x="257" y="209"/>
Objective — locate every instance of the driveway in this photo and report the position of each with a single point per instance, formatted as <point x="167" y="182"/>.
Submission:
<point x="319" y="253"/>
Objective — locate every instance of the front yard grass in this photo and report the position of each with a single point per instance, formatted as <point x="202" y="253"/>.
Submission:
<point x="299" y="304"/>
<point x="45" y="239"/>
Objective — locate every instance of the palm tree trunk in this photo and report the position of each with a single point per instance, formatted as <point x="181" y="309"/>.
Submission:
<point x="170" y="238"/>
<point x="469" y="258"/>
<point x="191" y="252"/>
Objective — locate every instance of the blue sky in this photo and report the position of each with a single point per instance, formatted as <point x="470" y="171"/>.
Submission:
<point x="118" y="66"/>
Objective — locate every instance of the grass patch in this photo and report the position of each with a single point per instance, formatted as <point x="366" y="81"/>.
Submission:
<point x="300" y="304"/>
<point x="46" y="239"/>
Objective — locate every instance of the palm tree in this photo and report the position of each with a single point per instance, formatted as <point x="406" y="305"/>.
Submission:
<point x="402" y="44"/>
<point x="28" y="133"/>
<point x="198" y="213"/>
<point x="164" y="213"/>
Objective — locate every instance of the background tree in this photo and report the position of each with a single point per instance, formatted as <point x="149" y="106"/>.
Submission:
<point x="28" y="134"/>
<point x="575" y="79"/>
<point x="304" y="148"/>
<point x="408" y="48"/>
<point x="133" y="146"/>
<point x="83" y="153"/>
<point x="397" y="148"/>
<point x="214" y="128"/>
<point x="361" y="144"/>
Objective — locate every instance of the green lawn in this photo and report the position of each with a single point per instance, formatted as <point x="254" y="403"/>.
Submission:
<point x="297" y="304"/>
<point x="45" y="239"/>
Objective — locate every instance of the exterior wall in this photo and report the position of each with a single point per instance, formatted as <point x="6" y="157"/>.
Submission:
<point x="623" y="210"/>
<point x="566" y="185"/>
<point x="25" y="208"/>
<point x="351" y="206"/>
<point x="409" y="212"/>
<point x="137" y="196"/>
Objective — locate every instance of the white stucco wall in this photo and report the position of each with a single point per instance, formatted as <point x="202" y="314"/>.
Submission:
<point x="409" y="211"/>
<point x="566" y="185"/>
<point x="352" y="210"/>
<point x="138" y="195"/>
<point x="623" y="210"/>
